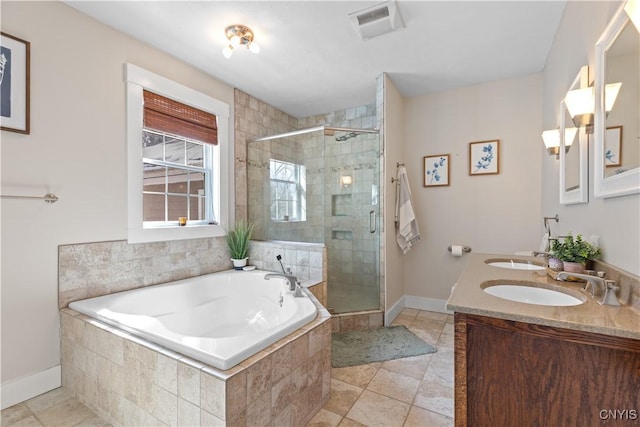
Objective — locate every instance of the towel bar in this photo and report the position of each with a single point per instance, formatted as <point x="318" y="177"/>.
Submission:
<point x="48" y="198"/>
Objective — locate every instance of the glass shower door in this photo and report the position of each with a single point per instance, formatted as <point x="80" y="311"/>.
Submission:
<point x="352" y="215"/>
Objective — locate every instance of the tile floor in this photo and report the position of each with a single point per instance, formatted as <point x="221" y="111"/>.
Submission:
<point x="416" y="391"/>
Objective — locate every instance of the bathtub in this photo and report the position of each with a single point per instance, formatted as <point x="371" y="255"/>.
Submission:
<point x="219" y="319"/>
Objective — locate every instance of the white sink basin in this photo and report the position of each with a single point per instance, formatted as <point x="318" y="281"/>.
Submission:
<point x="514" y="264"/>
<point x="532" y="295"/>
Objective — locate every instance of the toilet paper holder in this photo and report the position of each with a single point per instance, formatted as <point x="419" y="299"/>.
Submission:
<point x="465" y="249"/>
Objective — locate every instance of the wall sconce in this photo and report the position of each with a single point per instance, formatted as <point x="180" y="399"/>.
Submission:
<point x="581" y="103"/>
<point x="346" y="180"/>
<point x="239" y="35"/>
<point x="551" y="140"/>
<point x="633" y="10"/>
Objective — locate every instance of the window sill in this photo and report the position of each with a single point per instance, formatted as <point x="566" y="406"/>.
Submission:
<point x="170" y="232"/>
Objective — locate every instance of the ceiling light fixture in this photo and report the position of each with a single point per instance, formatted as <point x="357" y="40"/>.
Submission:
<point x="239" y="35"/>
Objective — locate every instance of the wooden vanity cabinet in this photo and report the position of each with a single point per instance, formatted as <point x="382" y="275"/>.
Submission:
<point x="510" y="373"/>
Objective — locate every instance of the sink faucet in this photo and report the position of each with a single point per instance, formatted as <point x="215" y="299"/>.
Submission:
<point x="608" y="287"/>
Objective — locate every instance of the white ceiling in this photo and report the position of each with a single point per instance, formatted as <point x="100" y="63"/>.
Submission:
<point x="312" y="60"/>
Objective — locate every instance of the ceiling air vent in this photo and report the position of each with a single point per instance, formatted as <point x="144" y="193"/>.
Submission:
<point x="376" y="20"/>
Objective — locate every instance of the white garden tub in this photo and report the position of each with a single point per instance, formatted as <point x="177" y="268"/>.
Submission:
<point x="220" y="318"/>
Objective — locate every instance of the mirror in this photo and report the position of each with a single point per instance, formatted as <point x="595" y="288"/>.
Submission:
<point x="574" y="145"/>
<point x="617" y="133"/>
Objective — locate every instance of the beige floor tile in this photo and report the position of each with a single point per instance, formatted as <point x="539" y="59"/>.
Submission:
<point x="430" y="336"/>
<point x="47" y="400"/>
<point x="342" y="397"/>
<point x="325" y="418"/>
<point x="67" y="413"/>
<point x="410" y="312"/>
<point x="93" y="422"/>
<point x="395" y="385"/>
<point x="432" y="315"/>
<point x="415" y="366"/>
<point x="360" y="375"/>
<point x="30" y="421"/>
<point x="346" y="422"/>
<point x="403" y="319"/>
<point x="435" y="394"/>
<point x="442" y="367"/>
<point x="419" y="417"/>
<point x="373" y="409"/>
<point x="14" y="414"/>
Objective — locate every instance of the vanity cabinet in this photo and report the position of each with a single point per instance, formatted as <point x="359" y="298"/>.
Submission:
<point x="510" y="373"/>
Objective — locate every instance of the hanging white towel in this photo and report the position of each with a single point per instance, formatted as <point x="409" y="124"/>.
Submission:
<point x="407" y="232"/>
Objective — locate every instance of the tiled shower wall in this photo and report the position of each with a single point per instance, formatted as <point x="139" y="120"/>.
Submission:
<point x="344" y="223"/>
<point x="92" y="269"/>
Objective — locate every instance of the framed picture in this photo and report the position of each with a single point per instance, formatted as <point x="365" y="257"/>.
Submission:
<point x="14" y="84"/>
<point x="484" y="157"/>
<point x="613" y="146"/>
<point x="436" y="170"/>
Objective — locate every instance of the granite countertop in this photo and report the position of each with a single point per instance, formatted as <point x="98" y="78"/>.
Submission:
<point x="468" y="297"/>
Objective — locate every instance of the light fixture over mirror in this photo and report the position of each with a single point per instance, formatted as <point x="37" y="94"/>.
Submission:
<point x="632" y="8"/>
<point x="551" y="140"/>
<point x="239" y="35"/>
<point x="581" y="103"/>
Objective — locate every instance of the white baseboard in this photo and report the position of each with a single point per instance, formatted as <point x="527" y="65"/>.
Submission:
<point x="391" y="313"/>
<point x="17" y="391"/>
<point x="429" y="304"/>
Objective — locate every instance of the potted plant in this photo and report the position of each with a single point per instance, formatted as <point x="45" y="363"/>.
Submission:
<point x="238" y="242"/>
<point x="574" y="253"/>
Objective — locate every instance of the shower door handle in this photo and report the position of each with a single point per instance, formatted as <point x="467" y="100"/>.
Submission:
<point x="372" y="222"/>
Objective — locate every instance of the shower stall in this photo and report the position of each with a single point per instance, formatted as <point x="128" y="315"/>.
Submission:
<point x="321" y="185"/>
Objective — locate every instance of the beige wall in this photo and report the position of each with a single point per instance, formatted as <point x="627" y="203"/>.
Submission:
<point x="491" y="213"/>
<point x="615" y="220"/>
<point x="76" y="150"/>
<point x="393" y="153"/>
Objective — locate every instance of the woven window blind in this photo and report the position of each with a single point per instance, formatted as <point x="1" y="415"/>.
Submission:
<point x="166" y="115"/>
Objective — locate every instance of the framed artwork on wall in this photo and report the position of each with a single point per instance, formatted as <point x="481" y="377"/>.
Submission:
<point x="613" y="146"/>
<point x="484" y="157"/>
<point x="436" y="170"/>
<point x="14" y="84"/>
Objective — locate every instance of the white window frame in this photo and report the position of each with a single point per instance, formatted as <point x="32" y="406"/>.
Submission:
<point x="138" y="79"/>
<point x="300" y="201"/>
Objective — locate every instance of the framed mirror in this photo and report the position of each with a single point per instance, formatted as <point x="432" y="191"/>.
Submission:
<point x="574" y="152"/>
<point x="617" y="123"/>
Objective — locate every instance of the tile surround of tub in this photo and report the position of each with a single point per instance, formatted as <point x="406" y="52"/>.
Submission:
<point x="93" y="269"/>
<point x="129" y="381"/>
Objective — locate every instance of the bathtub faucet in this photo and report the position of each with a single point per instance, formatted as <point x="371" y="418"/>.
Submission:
<point x="293" y="282"/>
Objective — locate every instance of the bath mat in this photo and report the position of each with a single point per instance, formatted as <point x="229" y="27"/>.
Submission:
<point x="376" y="345"/>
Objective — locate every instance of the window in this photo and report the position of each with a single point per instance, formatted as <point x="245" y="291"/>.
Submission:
<point x="176" y="175"/>
<point x="288" y="191"/>
<point x="176" y="166"/>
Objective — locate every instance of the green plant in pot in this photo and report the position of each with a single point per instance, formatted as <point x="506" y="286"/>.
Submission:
<point x="574" y="252"/>
<point x="238" y="242"/>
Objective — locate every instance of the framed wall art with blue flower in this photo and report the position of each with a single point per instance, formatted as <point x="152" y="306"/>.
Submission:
<point x="14" y="84"/>
<point x="436" y="170"/>
<point x="484" y="157"/>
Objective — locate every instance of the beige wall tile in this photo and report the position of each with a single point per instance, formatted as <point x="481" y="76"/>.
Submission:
<point x="188" y="413"/>
<point x="213" y="395"/>
<point x="189" y="383"/>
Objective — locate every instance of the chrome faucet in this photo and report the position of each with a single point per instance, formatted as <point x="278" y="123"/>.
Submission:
<point x="293" y="282"/>
<point x="608" y="287"/>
